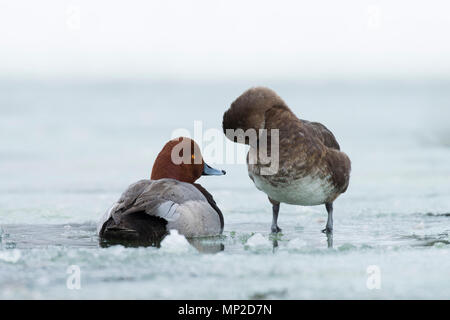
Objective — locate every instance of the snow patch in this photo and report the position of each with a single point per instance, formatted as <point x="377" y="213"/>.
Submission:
<point x="10" y="255"/>
<point x="257" y="241"/>
<point x="175" y="242"/>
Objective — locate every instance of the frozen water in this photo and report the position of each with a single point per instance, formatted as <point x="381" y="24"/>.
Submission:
<point x="258" y="241"/>
<point x="68" y="150"/>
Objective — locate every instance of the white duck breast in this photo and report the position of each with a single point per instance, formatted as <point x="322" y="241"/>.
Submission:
<point x="307" y="191"/>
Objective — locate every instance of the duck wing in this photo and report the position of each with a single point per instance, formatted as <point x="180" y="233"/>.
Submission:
<point x="137" y="213"/>
<point x="148" y="208"/>
<point x="159" y="198"/>
<point x="306" y="145"/>
<point x="323" y="133"/>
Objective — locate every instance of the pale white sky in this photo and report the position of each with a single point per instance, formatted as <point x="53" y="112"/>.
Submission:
<point x="226" y="38"/>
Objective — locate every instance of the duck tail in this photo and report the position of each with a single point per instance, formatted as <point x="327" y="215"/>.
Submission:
<point x="135" y="229"/>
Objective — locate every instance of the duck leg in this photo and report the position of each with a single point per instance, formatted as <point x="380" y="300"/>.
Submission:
<point x="329" y="226"/>
<point x="275" y="210"/>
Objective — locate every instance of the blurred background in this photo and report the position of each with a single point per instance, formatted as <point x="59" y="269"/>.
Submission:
<point x="91" y="90"/>
<point x="199" y="39"/>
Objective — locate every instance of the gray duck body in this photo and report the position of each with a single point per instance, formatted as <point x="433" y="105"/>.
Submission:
<point x="148" y="209"/>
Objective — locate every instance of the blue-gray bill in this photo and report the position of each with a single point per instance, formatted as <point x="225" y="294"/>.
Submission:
<point x="209" y="171"/>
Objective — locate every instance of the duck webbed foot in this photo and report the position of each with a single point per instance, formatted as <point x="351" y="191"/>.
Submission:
<point x="275" y="229"/>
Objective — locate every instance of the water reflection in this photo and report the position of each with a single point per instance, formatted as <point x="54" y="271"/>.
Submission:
<point x="27" y="236"/>
<point x="202" y="245"/>
<point x="206" y="246"/>
<point x="275" y="239"/>
<point x="329" y="239"/>
<point x="274" y="245"/>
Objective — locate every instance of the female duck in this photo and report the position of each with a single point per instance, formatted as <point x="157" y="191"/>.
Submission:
<point x="311" y="168"/>
<point x="148" y="209"/>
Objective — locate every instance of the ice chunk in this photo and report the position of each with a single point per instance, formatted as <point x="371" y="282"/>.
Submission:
<point x="257" y="240"/>
<point x="175" y="242"/>
<point x="10" y="255"/>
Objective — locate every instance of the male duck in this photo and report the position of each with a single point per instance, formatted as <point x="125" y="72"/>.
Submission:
<point x="148" y="209"/>
<point x="311" y="170"/>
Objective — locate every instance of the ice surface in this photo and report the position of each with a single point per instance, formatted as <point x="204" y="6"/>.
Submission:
<point x="68" y="151"/>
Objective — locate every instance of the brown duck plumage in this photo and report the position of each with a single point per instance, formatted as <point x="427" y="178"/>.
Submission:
<point x="311" y="169"/>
